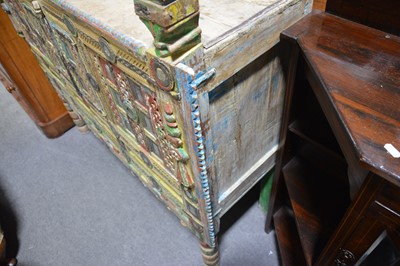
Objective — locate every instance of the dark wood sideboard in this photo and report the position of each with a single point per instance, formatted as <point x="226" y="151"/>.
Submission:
<point x="336" y="192"/>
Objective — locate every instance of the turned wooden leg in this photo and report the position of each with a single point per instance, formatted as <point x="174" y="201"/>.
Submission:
<point x="79" y="122"/>
<point x="210" y="255"/>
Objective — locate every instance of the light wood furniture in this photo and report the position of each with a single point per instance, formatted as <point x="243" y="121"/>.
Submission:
<point x="175" y="91"/>
<point x="22" y="76"/>
<point x="336" y="192"/>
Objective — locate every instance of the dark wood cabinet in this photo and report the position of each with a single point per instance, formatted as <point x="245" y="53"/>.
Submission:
<point x="336" y="192"/>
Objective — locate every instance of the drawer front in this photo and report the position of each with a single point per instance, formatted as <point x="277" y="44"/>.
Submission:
<point x="387" y="204"/>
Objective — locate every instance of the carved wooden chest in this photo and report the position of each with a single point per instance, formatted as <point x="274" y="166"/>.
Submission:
<point x="187" y="94"/>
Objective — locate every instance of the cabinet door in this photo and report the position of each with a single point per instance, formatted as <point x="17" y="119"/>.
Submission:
<point x="385" y="251"/>
<point x="375" y="237"/>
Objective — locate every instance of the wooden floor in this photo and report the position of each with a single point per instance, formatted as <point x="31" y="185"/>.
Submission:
<point x="319" y="4"/>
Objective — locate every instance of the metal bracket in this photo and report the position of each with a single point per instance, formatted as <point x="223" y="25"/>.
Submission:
<point x="202" y="78"/>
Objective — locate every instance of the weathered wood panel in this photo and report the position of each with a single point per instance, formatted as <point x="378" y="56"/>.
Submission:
<point x="217" y="18"/>
<point x="245" y="114"/>
<point x="260" y="33"/>
<point x="117" y="15"/>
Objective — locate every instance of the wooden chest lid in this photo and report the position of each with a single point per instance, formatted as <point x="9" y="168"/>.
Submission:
<point x="217" y="17"/>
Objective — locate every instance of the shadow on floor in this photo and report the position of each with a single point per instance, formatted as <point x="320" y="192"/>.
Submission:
<point x="239" y="209"/>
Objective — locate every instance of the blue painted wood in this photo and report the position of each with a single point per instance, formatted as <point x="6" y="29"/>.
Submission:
<point x="187" y="85"/>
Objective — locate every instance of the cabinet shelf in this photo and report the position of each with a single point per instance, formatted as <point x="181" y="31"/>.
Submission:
<point x="288" y="240"/>
<point x="321" y="136"/>
<point x="316" y="211"/>
<point x="309" y="122"/>
<point x="316" y="157"/>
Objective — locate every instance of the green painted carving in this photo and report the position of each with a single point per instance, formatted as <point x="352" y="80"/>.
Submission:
<point x="173" y="24"/>
<point x="165" y="13"/>
<point x="173" y="132"/>
<point x="133" y="114"/>
<point x="183" y="154"/>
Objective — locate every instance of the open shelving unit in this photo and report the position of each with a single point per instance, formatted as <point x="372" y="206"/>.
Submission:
<point x="314" y="178"/>
<point x="336" y="190"/>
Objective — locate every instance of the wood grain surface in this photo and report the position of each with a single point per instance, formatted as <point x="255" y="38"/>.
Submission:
<point x="361" y="80"/>
<point x="319" y="4"/>
<point x="382" y="14"/>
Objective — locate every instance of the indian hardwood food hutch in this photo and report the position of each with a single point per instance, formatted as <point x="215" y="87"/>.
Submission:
<point x="187" y="94"/>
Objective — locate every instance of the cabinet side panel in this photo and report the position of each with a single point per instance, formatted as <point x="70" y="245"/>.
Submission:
<point x="245" y="113"/>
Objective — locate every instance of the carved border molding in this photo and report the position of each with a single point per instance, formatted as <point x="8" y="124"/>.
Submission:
<point x="200" y="151"/>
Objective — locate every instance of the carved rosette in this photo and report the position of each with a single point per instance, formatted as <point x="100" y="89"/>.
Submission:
<point x="162" y="73"/>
